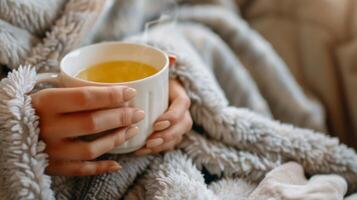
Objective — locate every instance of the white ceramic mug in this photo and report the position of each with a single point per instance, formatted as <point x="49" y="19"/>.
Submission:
<point x="152" y="91"/>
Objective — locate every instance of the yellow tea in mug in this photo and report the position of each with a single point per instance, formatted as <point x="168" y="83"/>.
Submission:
<point x="117" y="71"/>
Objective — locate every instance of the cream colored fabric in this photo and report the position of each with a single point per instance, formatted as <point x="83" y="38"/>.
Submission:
<point x="318" y="41"/>
<point x="288" y="182"/>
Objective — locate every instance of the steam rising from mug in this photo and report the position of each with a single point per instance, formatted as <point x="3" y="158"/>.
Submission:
<point x="168" y="16"/>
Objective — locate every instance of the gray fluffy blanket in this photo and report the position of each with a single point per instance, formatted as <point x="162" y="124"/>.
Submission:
<point x="239" y="87"/>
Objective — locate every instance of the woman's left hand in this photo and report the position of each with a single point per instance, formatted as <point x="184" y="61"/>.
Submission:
<point x="172" y="125"/>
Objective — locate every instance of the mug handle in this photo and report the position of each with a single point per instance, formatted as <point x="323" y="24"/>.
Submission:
<point x="52" y="78"/>
<point x="172" y="60"/>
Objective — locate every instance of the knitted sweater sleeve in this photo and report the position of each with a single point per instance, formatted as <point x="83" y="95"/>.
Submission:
<point x="22" y="157"/>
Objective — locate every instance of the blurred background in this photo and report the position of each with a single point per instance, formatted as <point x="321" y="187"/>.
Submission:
<point x="318" y="41"/>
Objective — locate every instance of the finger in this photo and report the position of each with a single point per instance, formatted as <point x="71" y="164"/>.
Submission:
<point x="176" y="90"/>
<point x="64" y="100"/>
<point x="82" y="150"/>
<point x="146" y="150"/>
<point x="81" y="168"/>
<point x="143" y="151"/>
<point x="168" y="146"/>
<point x="86" y="123"/>
<point x="159" y="138"/>
<point x="174" y="131"/>
<point x="178" y="106"/>
<point x="173" y="115"/>
<point x="162" y="125"/>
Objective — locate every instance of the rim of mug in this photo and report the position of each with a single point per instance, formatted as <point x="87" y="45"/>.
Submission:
<point x="167" y="63"/>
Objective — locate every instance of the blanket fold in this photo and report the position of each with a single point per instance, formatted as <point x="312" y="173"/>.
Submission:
<point x="241" y="128"/>
<point x="285" y="97"/>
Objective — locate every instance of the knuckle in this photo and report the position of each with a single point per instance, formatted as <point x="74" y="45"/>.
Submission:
<point x="113" y="143"/>
<point x="118" y="139"/>
<point x="115" y="96"/>
<point x="90" y="124"/>
<point x="125" y="116"/>
<point x="84" y="97"/>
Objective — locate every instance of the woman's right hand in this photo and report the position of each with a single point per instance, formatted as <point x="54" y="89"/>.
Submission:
<point x="68" y="113"/>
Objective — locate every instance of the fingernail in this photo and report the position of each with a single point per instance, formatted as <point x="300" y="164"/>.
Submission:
<point x="159" y="126"/>
<point x="138" y="116"/>
<point x="154" y="142"/>
<point x="129" y="93"/>
<point x="131" y="132"/>
<point x="114" y="168"/>
<point x="143" y="152"/>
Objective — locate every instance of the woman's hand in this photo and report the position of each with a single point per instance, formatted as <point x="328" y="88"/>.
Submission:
<point x="172" y="125"/>
<point x="68" y="113"/>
